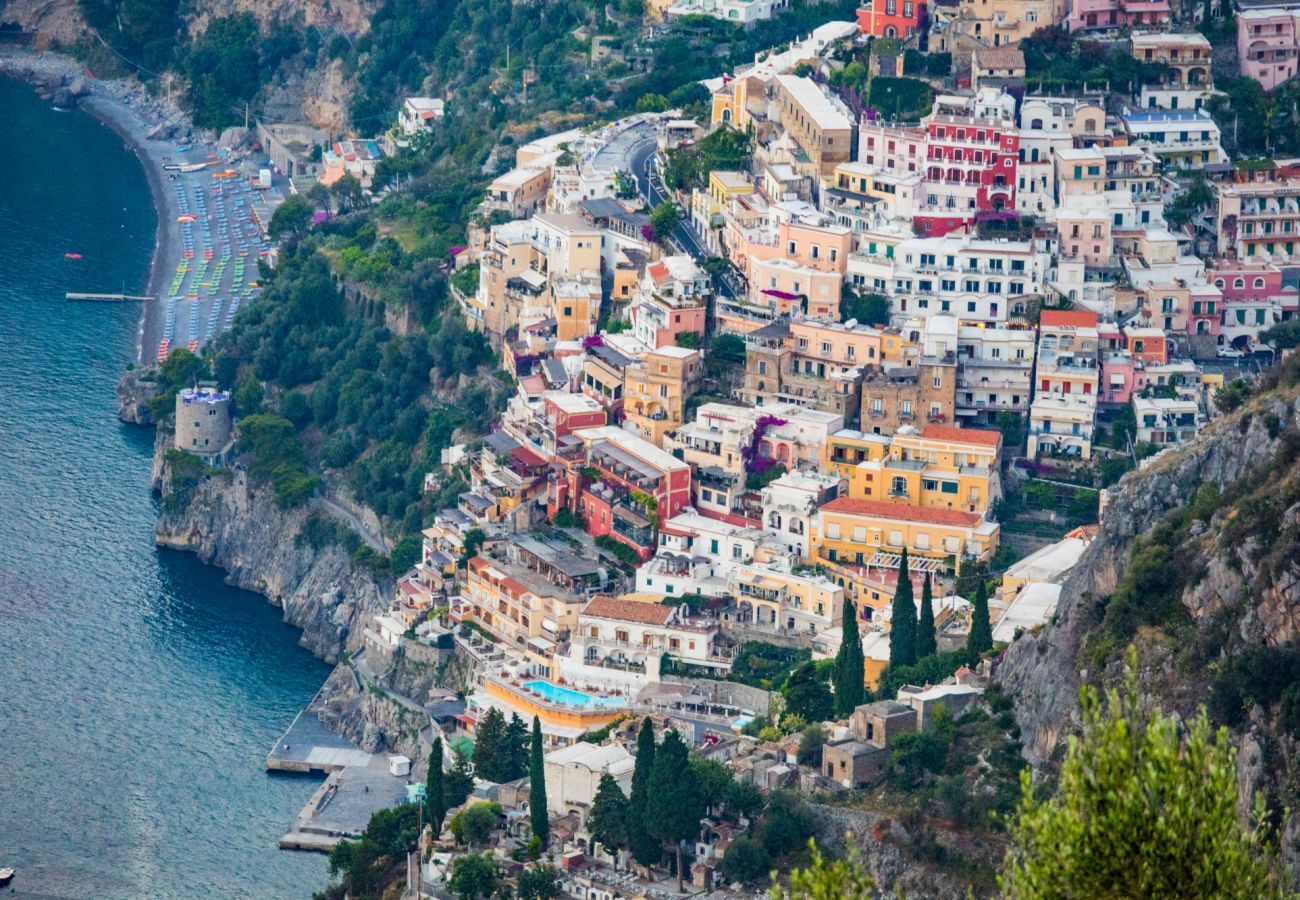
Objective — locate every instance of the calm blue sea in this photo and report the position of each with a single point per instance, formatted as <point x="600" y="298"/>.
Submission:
<point x="139" y="695"/>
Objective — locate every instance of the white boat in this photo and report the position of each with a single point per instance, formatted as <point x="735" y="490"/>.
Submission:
<point x="6" y="876"/>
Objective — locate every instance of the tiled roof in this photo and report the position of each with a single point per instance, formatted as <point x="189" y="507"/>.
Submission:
<point x="1067" y="318"/>
<point x="982" y="436"/>
<point x="605" y="607"/>
<point x="903" y="512"/>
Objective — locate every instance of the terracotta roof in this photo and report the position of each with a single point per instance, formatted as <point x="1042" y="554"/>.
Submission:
<point x="1007" y="57"/>
<point x="1067" y="318"/>
<point x="903" y="512"/>
<point x="628" y="610"/>
<point x="982" y="436"/>
<point x="659" y="272"/>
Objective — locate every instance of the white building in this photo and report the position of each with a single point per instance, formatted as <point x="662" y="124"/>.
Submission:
<point x="621" y="641"/>
<point x="573" y="775"/>
<point x="994" y="371"/>
<point x="420" y="115"/>
<point x="789" y="503"/>
<point x="1166" y="422"/>
<point x="739" y="11"/>
<point x="975" y="280"/>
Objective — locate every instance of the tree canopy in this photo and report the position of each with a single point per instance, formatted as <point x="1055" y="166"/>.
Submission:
<point x="1146" y="806"/>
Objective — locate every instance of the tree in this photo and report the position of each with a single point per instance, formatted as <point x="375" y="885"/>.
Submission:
<point x="807" y="694"/>
<point x="517" y="748"/>
<point x="471" y="541"/>
<point x="902" y="622"/>
<point x="980" y="639"/>
<point x="1146" y="806"/>
<point x="810" y="745"/>
<point x="537" y="811"/>
<point x="824" y="879"/>
<point x="539" y="883"/>
<point x="365" y="862"/>
<point x="743" y="799"/>
<point x="475" y="823"/>
<point x="642" y="844"/>
<point x="608" y="819"/>
<point x="673" y="808"/>
<point x="248" y="397"/>
<point x="458" y="783"/>
<point x="651" y="103"/>
<point x="866" y="309"/>
<point x="473" y="876"/>
<point x="291" y="218"/>
<point x="848" y="675"/>
<point x="787" y="824"/>
<point x="746" y="861"/>
<point x="435" y="808"/>
<point x="347" y="192"/>
<point x="491" y="751"/>
<point x="926" y="644"/>
<point x="664" y="218"/>
<point x="712" y="779"/>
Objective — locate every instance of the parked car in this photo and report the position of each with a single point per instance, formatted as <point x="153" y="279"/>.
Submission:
<point x="1229" y="353"/>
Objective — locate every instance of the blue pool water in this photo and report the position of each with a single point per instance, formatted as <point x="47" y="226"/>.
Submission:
<point x="570" y="697"/>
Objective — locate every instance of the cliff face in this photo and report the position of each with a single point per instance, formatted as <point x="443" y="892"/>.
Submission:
<point x="133" y="396"/>
<point x="232" y="523"/>
<point x="1238" y="593"/>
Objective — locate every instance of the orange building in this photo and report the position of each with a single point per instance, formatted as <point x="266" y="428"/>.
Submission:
<point x="891" y="18"/>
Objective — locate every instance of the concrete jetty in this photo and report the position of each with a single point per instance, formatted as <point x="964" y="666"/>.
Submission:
<point x="308" y="746"/>
<point x="358" y="785"/>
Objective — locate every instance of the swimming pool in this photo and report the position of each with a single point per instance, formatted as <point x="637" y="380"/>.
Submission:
<point x="570" y="697"/>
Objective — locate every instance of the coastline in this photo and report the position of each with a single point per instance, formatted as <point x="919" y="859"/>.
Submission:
<point x="125" y="107"/>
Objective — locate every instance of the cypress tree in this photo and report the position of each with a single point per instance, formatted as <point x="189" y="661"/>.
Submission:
<point x="435" y="804"/>
<point x="847" y="673"/>
<point x="980" y="638"/>
<point x="902" y="626"/>
<point x="674" y="805"/>
<point x="644" y="847"/>
<point x="541" y="821"/>
<point x="926" y="644"/>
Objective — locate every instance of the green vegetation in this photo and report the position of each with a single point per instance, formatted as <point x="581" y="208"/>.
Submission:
<point x="723" y="150"/>
<point x="825" y="879"/>
<point x="435" y="809"/>
<point x="867" y="309"/>
<point x="539" y="816"/>
<point x="475" y="823"/>
<point x="608" y="822"/>
<point x="366" y="866"/>
<point x="1055" y="59"/>
<point x="980" y="638"/>
<point x="1146" y="806"/>
<point x="766" y="665"/>
<point x="474" y="875"/>
<point x="756" y="481"/>
<point x="926" y="643"/>
<point x="673" y="803"/>
<point x="847" y="674"/>
<point x="1255" y="122"/>
<point x="902" y="620"/>
<point x="901" y="98"/>
<point x="665" y="217"/>
<point x="541" y="882"/>
<point x="277" y="457"/>
<point x="500" y="747"/>
<point x="625" y="554"/>
<point x="807" y="693"/>
<point x="645" y="849"/>
<point x="291" y="219"/>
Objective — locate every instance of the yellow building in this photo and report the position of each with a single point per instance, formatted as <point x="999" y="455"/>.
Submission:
<point x="941" y="467"/>
<point x="655" y="391"/>
<point x="851" y="531"/>
<point x="769" y="598"/>
<point x="847" y="449"/>
<point x="519" y="609"/>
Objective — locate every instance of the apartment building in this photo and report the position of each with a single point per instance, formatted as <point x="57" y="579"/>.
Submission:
<point x="604" y="377"/>
<point x="1180" y="138"/>
<point x="631" y="636"/>
<point x="894" y="396"/>
<point x="975" y="280"/>
<point x="1189" y="80"/>
<point x="810" y="363"/>
<point x="1166" y="422"/>
<point x="972" y="149"/>
<point x="622" y="485"/>
<point x="768" y="598"/>
<point x="1251" y="298"/>
<point x="1116" y="14"/>
<point x="1083" y="222"/>
<point x="742" y="12"/>
<point x="789" y="503"/>
<point x="994" y="371"/>
<point x="860" y="195"/>
<point x="671" y="301"/>
<point x="517" y="605"/>
<point x="891" y="18"/>
<point x="546" y="425"/>
<point x="997" y="66"/>
<point x="1268" y="44"/>
<point x="1260" y="219"/>
<point x="967" y="24"/>
<point x="861" y="532"/>
<point x="1062" y="425"/>
<point x="822" y="128"/>
<point x="1066" y="374"/>
<point x="938" y="467"/>
<point x="655" y="390"/>
<point x="418" y="115"/>
<point x="520" y="191"/>
<point x="709" y="205"/>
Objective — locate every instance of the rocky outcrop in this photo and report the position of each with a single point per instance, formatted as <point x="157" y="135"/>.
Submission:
<point x="368" y="717"/>
<point x="1043" y="670"/>
<point x="229" y="521"/>
<point x="52" y="23"/>
<point x="133" y="396"/>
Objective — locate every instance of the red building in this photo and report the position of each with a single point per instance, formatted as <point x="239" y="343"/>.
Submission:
<point x="970" y="168"/>
<point x="622" y="485"/>
<point x="891" y="18"/>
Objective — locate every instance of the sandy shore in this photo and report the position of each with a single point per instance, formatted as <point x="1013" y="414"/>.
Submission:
<point x="149" y="125"/>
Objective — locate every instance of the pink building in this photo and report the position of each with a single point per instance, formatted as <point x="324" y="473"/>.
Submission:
<point x="1118" y="14"/>
<point x="1267" y="44"/>
<point x="1118" y="378"/>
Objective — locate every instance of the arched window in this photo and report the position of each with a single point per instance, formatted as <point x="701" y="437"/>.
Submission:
<point x="1259" y="282"/>
<point x="1036" y="124"/>
<point x="1239" y="283"/>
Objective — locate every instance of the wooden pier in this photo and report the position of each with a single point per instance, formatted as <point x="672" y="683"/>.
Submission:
<point x="107" y="298"/>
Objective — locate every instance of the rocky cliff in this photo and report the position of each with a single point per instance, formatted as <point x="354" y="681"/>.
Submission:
<point x="233" y="523"/>
<point x="133" y="396"/>
<point x="1218" y="524"/>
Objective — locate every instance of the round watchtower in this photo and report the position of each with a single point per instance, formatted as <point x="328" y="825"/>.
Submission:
<point x="202" y="420"/>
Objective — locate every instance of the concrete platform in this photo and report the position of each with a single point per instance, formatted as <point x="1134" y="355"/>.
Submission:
<point x="342" y="806"/>
<point x="308" y="746"/>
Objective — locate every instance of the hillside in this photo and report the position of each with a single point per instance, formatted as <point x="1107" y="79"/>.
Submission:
<point x="1196" y="565"/>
